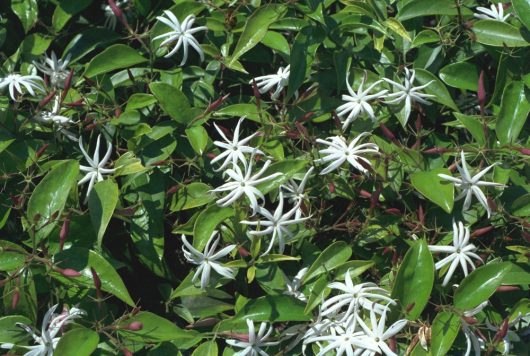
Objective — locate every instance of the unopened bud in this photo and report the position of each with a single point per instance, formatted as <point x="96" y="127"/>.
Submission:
<point x="47" y="99"/>
<point x="117" y="112"/>
<point x="481" y="93"/>
<point x="436" y="150"/>
<point x="126" y="352"/>
<point x="306" y="116"/>
<point x="387" y="133"/>
<point x="173" y="189"/>
<point x="503" y="330"/>
<point x="41" y="150"/>
<point x="16" y="298"/>
<point x="243" y="252"/>
<point x="525" y="151"/>
<point x="470" y="320"/>
<point x="481" y="231"/>
<point x="364" y="194"/>
<point x="68" y="272"/>
<point x="67" y="84"/>
<point x="76" y="103"/>
<point x="331" y="187"/>
<point x="214" y="105"/>
<point x="393" y="211"/>
<point x="63" y="234"/>
<point x="504" y="289"/>
<point x="134" y="326"/>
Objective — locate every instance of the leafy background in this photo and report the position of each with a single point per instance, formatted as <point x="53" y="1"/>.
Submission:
<point x="125" y="242"/>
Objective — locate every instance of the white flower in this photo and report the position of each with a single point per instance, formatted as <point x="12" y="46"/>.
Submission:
<point x="208" y="260"/>
<point x="54" y="68"/>
<point x="496" y="13"/>
<point x="255" y="343"/>
<point x="51" y="325"/>
<point x="357" y="103"/>
<point x="376" y="335"/>
<point x="276" y="224"/>
<point x="53" y="116"/>
<point x="110" y="16"/>
<point x="471" y="338"/>
<point x="235" y="149"/>
<point x="15" y="82"/>
<point x="244" y="183"/>
<point x="343" y="341"/>
<point x="96" y="169"/>
<point x="267" y="82"/>
<point x="295" y="192"/>
<point x="293" y="287"/>
<point x="339" y="151"/>
<point x="408" y="92"/>
<point x="364" y="295"/>
<point x="471" y="185"/>
<point x="460" y="252"/>
<point x="182" y="33"/>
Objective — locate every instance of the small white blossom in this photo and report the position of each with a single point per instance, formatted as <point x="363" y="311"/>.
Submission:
<point x="358" y="103"/>
<point x="256" y="342"/>
<point x="208" y="260"/>
<point x="235" y="149"/>
<point x="472" y="341"/>
<point x="408" y="92"/>
<point x="295" y="193"/>
<point x="496" y="13"/>
<point x="470" y="186"/>
<point x="15" y="82"/>
<point x="55" y="69"/>
<point x="244" y="184"/>
<point x="95" y="170"/>
<point x="339" y="151"/>
<point x="279" y="80"/>
<point x="182" y="33"/>
<point x="343" y="341"/>
<point x="276" y="224"/>
<point x="51" y="325"/>
<point x="293" y="287"/>
<point x="460" y="252"/>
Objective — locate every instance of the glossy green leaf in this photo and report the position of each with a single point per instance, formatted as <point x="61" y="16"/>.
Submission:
<point x="398" y="28"/>
<point x="27" y="11"/>
<point x="499" y="34"/>
<point x="474" y="125"/>
<point x="12" y="256"/>
<point x="414" y="280"/>
<point x="191" y="196"/>
<point x="83" y="260"/>
<point x="256" y="28"/>
<point x="49" y="197"/>
<point x="88" y="40"/>
<point x="198" y="138"/>
<point x="418" y="8"/>
<point x="249" y="111"/>
<point x="155" y="329"/>
<point x="522" y="9"/>
<point x="79" y="342"/>
<point x="479" y="285"/>
<point x="207" y="222"/>
<point x="172" y="101"/>
<point x="461" y="75"/>
<point x="436" y="88"/>
<point x="333" y="256"/>
<point x="115" y="57"/>
<point x="424" y="37"/>
<point x="101" y="204"/>
<point x="276" y="308"/>
<point x="9" y="332"/>
<point x="434" y="188"/>
<point x="208" y="348"/>
<point x="444" y="330"/>
<point x="65" y="10"/>
<point x="515" y="106"/>
<point x="317" y="293"/>
<point x="288" y="168"/>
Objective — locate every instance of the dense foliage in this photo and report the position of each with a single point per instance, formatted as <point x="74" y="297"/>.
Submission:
<point x="211" y="177"/>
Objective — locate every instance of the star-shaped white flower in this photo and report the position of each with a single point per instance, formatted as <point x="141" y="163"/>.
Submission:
<point x="408" y="92"/>
<point x="293" y="287"/>
<point x="244" y="184"/>
<point x="235" y="149"/>
<point x="376" y="335"/>
<point x="470" y="186"/>
<point x="358" y="103"/>
<point x="363" y="295"/>
<point x="182" y="33"/>
<point x="295" y="192"/>
<point x="279" y="80"/>
<point x="51" y="325"/>
<point x="96" y="170"/>
<point x="53" y="116"/>
<point x="276" y="224"/>
<point x="256" y="342"/>
<point x="208" y="260"/>
<point x="339" y="151"/>
<point x="460" y="252"/>
<point x="343" y="341"/>
<point x="472" y="341"/>
<point x="15" y="82"/>
<point x="55" y="69"/>
<point x="496" y="13"/>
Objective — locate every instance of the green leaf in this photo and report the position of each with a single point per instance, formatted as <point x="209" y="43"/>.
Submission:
<point x="436" y="88"/>
<point x="277" y="42"/>
<point x="9" y="332"/>
<point x="208" y="348"/>
<point x="87" y="41"/>
<point x="65" y="10"/>
<point x="79" y="342"/>
<point x="444" y="330"/>
<point x="191" y="196"/>
<point x="256" y="28"/>
<point x="333" y="256"/>
<point x="207" y="222"/>
<point x="317" y="293"/>
<point x="155" y="329"/>
<point x="398" y="28"/>
<point x="82" y="260"/>
<point x="414" y="280"/>
<point x="499" y="34"/>
<point x="424" y="37"/>
<point x="101" y="204"/>
<point x="49" y="197"/>
<point x="515" y="106"/>
<point x="288" y="167"/>
<point x="461" y="75"/>
<point x="27" y="11"/>
<point x="474" y="125"/>
<point x="139" y="101"/>
<point x="115" y="57"/>
<point x="276" y="308"/>
<point x="12" y="259"/>
<point x="418" y="8"/>
<point x="172" y="101"/>
<point x="479" y="285"/>
<point x="198" y="138"/>
<point x="522" y="9"/>
<point x="434" y="188"/>
<point x="250" y="111"/>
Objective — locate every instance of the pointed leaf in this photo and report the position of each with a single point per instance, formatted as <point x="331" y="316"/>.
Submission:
<point x="333" y="256"/>
<point x="499" y="34"/>
<point x="154" y="329"/>
<point x="515" y="106"/>
<point x="115" y="57"/>
<point x="434" y="188"/>
<point x="207" y="222"/>
<point x="172" y="101"/>
<point x="79" y="342"/>
<point x="444" y="330"/>
<point x="101" y="204"/>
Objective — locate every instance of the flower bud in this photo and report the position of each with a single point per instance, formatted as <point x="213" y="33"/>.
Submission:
<point x="47" y="99"/>
<point x="173" y="189"/>
<point x="68" y="272"/>
<point x="503" y="330"/>
<point x="470" y="320"/>
<point x="41" y="150"/>
<point x="63" y="234"/>
<point x="214" y="105"/>
<point x="387" y="133"/>
<point x="67" y="84"/>
<point x="481" y="93"/>
<point x="134" y="326"/>
<point x="482" y="231"/>
<point x="126" y="352"/>
<point x="503" y="289"/>
<point x="436" y="150"/>
<point x="16" y="298"/>
<point x="393" y="211"/>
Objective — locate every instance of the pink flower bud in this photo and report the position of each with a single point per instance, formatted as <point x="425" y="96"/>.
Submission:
<point x="68" y="272"/>
<point x="16" y="298"/>
<point x="134" y="326"/>
<point x="47" y="99"/>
